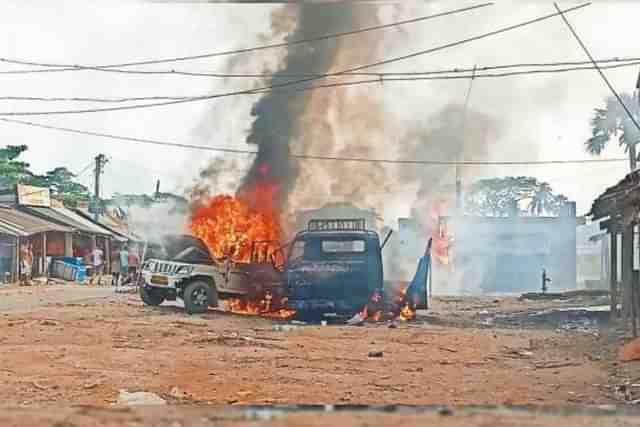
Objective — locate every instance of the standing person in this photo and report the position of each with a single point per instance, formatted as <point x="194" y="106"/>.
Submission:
<point x="123" y="258"/>
<point x="97" y="261"/>
<point x="134" y="260"/>
<point x="26" y="255"/>
<point x="115" y="268"/>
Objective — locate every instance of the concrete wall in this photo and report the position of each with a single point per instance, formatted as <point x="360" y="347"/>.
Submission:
<point x="591" y="267"/>
<point x="508" y="254"/>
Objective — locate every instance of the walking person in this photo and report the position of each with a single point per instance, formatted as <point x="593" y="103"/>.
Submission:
<point x="97" y="261"/>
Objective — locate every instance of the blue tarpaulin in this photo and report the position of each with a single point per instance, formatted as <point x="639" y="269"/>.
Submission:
<point x="417" y="290"/>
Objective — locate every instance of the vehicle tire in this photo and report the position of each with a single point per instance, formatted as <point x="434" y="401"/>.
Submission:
<point x="198" y="296"/>
<point x="151" y="296"/>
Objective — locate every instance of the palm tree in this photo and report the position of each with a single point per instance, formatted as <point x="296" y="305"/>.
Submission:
<point x="614" y="121"/>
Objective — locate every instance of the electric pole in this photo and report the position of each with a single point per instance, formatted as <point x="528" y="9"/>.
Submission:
<point x="461" y="156"/>
<point x="633" y="147"/>
<point x="101" y="160"/>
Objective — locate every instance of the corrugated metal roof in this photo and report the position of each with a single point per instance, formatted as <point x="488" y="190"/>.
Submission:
<point x="112" y="225"/>
<point x="26" y="224"/>
<point x="11" y="231"/>
<point x="69" y="218"/>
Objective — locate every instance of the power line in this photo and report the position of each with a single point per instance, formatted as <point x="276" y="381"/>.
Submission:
<point x="328" y="85"/>
<point x="69" y="67"/>
<point x="297" y="75"/>
<point x="294" y="82"/>
<point x="84" y="170"/>
<point x="460" y="42"/>
<point x="87" y="99"/>
<point x="595" y="64"/>
<point x="312" y="157"/>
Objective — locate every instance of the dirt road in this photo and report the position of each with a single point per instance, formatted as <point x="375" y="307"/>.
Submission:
<point x="87" y="353"/>
<point x="89" y="344"/>
<point x="28" y="298"/>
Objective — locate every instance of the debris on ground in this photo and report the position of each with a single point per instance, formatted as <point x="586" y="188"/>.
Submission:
<point x="534" y="296"/>
<point x="139" y="398"/>
<point x="555" y="365"/>
<point x="178" y="393"/>
<point x="357" y="320"/>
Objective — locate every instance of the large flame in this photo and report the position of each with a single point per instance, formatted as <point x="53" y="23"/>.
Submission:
<point x="245" y="229"/>
<point x="232" y="229"/>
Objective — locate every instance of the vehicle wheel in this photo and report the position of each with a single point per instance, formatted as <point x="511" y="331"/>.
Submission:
<point x="151" y="296"/>
<point x="198" y="296"/>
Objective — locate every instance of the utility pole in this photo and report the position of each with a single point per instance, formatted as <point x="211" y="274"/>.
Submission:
<point x="461" y="157"/>
<point x="101" y="160"/>
<point x="632" y="148"/>
<point x="545" y="280"/>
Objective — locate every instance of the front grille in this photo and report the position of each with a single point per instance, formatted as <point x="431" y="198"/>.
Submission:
<point x="163" y="267"/>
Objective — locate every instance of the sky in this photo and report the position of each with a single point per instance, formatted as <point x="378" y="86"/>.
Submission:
<point x="542" y="117"/>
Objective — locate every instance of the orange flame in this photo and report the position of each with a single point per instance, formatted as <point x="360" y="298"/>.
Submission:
<point x="400" y="307"/>
<point x="231" y="228"/>
<point x="245" y="229"/>
<point x="265" y="306"/>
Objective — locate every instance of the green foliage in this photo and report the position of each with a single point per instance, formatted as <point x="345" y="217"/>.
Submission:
<point x="60" y="180"/>
<point x="498" y="196"/>
<point x="63" y="187"/>
<point x="13" y="171"/>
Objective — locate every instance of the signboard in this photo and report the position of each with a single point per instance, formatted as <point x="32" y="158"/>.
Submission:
<point x="336" y="224"/>
<point x="34" y="196"/>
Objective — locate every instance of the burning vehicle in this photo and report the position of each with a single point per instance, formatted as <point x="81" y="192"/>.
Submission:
<point x="182" y="267"/>
<point x="333" y="267"/>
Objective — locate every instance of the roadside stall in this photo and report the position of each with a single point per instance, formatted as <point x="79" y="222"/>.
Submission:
<point x="86" y="236"/>
<point x="20" y="234"/>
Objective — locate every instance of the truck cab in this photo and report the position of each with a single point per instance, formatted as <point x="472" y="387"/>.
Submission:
<point x="333" y="267"/>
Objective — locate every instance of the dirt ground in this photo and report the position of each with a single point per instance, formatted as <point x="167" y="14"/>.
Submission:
<point x="181" y="416"/>
<point x="87" y="350"/>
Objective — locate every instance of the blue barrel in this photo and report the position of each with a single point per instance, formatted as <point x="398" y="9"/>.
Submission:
<point x="81" y="273"/>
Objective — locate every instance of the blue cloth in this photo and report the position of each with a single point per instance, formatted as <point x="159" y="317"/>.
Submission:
<point x="124" y="260"/>
<point x="417" y="291"/>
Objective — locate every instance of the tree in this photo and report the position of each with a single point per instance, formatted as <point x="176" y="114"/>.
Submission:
<point x="59" y="180"/>
<point x="613" y="121"/>
<point x="13" y="171"/>
<point x="500" y="196"/>
<point x="63" y="187"/>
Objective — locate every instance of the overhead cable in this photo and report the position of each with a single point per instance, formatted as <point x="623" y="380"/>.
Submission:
<point x="309" y="74"/>
<point x="595" y="64"/>
<point x="294" y="82"/>
<point x="313" y="87"/>
<point x="308" y="156"/>
<point x="72" y="67"/>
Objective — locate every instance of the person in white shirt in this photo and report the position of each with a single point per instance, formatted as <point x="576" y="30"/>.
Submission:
<point x="97" y="261"/>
